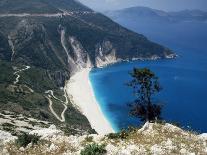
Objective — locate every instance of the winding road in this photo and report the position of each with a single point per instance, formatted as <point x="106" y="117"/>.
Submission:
<point x="74" y="14"/>
<point x="51" y="94"/>
<point x="60" y="14"/>
<point x="17" y="74"/>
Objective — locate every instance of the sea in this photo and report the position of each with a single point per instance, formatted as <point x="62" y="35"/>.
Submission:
<point x="184" y="80"/>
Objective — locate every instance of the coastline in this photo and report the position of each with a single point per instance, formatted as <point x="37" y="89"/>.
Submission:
<point x="81" y="93"/>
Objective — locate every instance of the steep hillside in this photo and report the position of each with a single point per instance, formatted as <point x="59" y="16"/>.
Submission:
<point x="44" y="42"/>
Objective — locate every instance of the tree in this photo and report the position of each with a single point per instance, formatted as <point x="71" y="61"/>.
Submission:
<point x="145" y="84"/>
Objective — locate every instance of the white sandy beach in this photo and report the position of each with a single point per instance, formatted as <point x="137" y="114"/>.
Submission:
<point x="80" y="89"/>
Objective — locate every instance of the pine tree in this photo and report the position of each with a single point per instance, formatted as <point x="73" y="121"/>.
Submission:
<point x="145" y="84"/>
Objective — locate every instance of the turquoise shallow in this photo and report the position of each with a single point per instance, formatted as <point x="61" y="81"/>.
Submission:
<point x="184" y="82"/>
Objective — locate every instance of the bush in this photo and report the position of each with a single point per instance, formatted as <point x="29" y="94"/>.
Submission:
<point x="121" y="135"/>
<point x="113" y="135"/>
<point x="94" y="149"/>
<point x="25" y="139"/>
<point x="89" y="139"/>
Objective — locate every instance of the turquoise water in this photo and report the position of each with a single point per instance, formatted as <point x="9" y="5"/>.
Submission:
<point x="184" y="82"/>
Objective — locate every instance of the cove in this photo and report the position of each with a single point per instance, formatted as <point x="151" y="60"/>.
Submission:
<point x="184" y="82"/>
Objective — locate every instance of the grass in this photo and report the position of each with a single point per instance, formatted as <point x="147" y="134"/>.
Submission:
<point x="94" y="149"/>
<point x="160" y="135"/>
<point x="170" y="139"/>
<point x="42" y="147"/>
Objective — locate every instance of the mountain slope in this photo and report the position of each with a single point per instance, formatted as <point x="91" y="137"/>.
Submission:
<point x="44" y="42"/>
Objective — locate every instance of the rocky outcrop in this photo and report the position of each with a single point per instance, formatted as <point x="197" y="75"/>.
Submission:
<point x="81" y="56"/>
<point x="78" y="57"/>
<point x="105" y="54"/>
<point x="156" y="139"/>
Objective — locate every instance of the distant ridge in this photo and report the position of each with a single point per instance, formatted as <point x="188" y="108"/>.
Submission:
<point x="139" y="11"/>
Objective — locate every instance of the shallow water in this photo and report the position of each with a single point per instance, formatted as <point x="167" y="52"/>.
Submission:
<point x="184" y="82"/>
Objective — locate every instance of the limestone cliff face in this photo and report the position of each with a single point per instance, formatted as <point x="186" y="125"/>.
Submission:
<point x="78" y="57"/>
<point x="105" y="54"/>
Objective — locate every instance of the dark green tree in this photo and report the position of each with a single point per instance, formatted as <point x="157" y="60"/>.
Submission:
<point x="145" y="84"/>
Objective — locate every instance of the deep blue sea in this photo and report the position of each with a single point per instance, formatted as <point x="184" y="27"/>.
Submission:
<point x="184" y="82"/>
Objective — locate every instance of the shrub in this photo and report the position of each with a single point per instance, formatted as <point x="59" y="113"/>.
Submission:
<point x="94" y="149"/>
<point x="25" y="139"/>
<point x="121" y="135"/>
<point x="89" y="139"/>
<point x="113" y="135"/>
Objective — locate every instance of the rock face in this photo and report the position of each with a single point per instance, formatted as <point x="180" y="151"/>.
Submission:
<point x="105" y="54"/>
<point x="153" y="139"/>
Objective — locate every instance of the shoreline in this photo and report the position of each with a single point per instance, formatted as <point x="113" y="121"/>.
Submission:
<point x="82" y="95"/>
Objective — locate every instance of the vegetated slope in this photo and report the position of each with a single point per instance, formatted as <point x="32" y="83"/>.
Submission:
<point x="55" y="39"/>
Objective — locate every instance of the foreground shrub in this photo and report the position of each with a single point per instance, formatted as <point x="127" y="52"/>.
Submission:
<point x="89" y="139"/>
<point x="120" y="135"/>
<point x="94" y="149"/>
<point x="25" y="139"/>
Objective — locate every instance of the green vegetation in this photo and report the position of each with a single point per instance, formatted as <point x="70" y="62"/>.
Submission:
<point x="145" y="84"/>
<point x="6" y="73"/>
<point x="8" y="127"/>
<point x="18" y="98"/>
<point x="38" y="79"/>
<point x="25" y="139"/>
<point x="94" y="149"/>
<point x="89" y="139"/>
<point x="28" y="6"/>
<point x="120" y="135"/>
<point x="123" y="134"/>
<point x="57" y="107"/>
